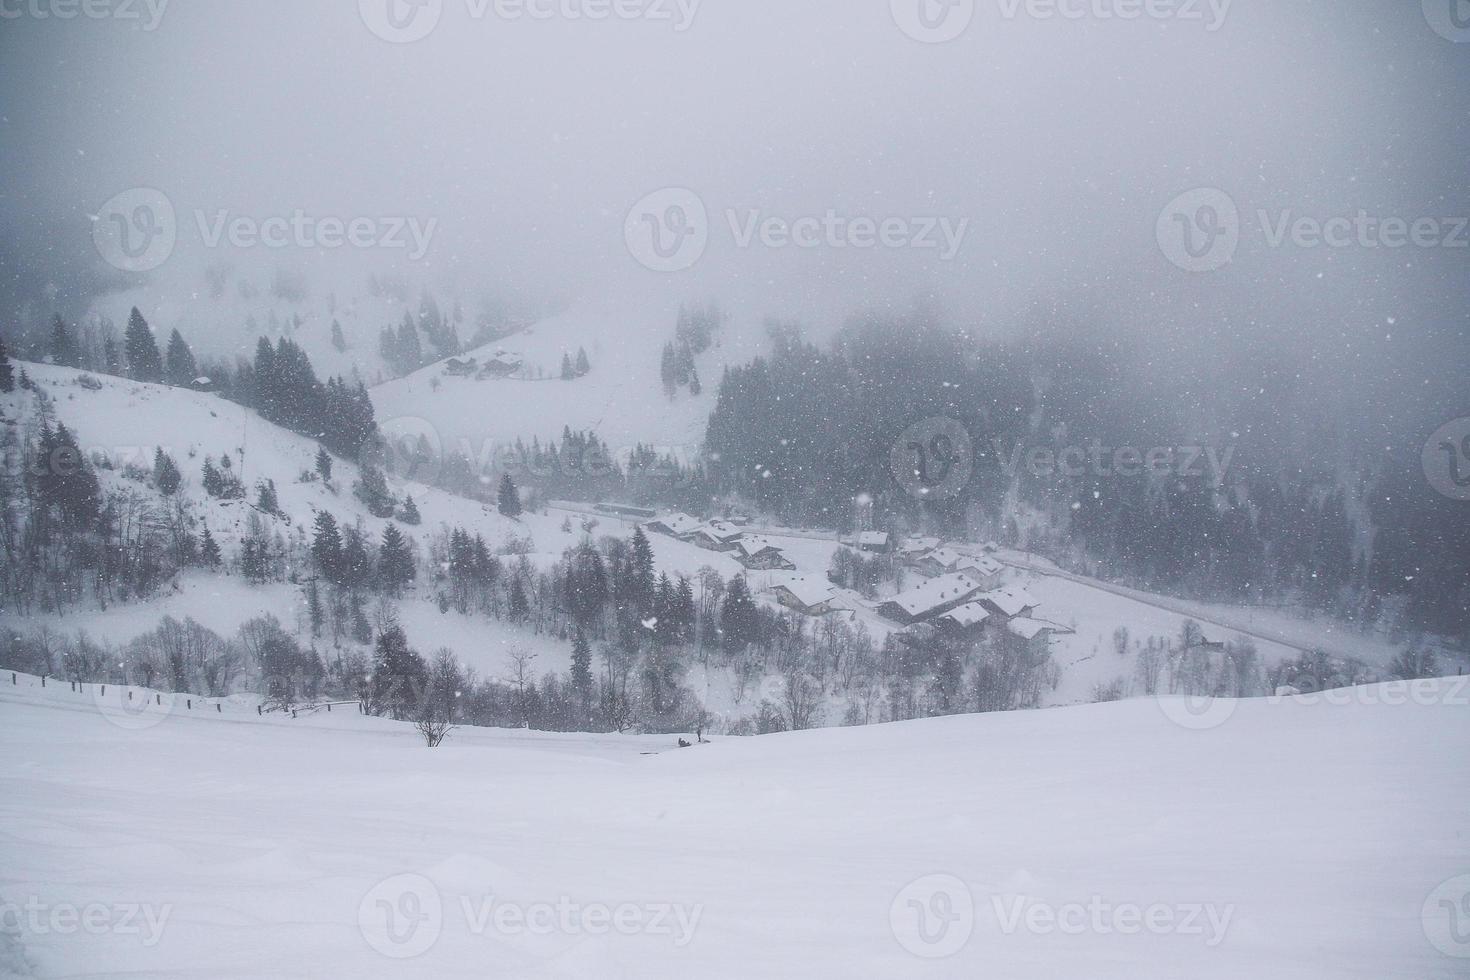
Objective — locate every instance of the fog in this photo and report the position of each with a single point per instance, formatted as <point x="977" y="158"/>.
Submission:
<point x="1052" y="142"/>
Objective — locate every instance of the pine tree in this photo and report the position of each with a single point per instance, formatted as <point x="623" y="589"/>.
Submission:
<point x="582" y="664"/>
<point x="209" y="550"/>
<point x="181" y="369"/>
<point x="7" y="372"/>
<point x="668" y="371"/>
<point x="324" y="465"/>
<point x="395" y="561"/>
<point x="326" y="548"/>
<point x="213" y="479"/>
<point x="399" y="674"/>
<point x="372" y="489"/>
<point x="339" y="341"/>
<point x="694" y="386"/>
<point x="583" y="365"/>
<point x="508" y="500"/>
<point x="266" y="499"/>
<point x="315" y="613"/>
<point x="738" y="617"/>
<point x="357" y="564"/>
<point x="567" y="373"/>
<point x="63" y="347"/>
<point x="409" y="512"/>
<point x="166" y="476"/>
<point x="642" y="572"/>
<point x="520" y="608"/>
<point x="144" y="361"/>
<point x="65" y="479"/>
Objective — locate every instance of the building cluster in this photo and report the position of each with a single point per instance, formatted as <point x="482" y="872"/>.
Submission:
<point x="501" y="364"/>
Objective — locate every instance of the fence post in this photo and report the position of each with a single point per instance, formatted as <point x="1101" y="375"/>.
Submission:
<point x="217" y="709"/>
<point x="158" y="699"/>
<point x="12" y="678"/>
<point x="130" y="695"/>
<point x="293" y="712"/>
<point x="329" y="707"/>
<point x="190" y="703"/>
<point x="43" y="680"/>
<point x="258" y="711"/>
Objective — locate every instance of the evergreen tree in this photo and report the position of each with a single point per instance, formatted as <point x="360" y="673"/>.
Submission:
<point x="642" y="572"/>
<point x="63" y="347"/>
<point x="144" y="361"/>
<point x="265" y="498"/>
<point x="738" y="616"/>
<point x="166" y="476"/>
<point x="668" y="371"/>
<point x="339" y="341"/>
<point x="64" y="478"/>
<point x="180" y="367"/>
<point x="326" y="548"/>
<point x="213" y="479"/>
<point x="694" y="386"/>
<point x="399" y="674"/>
<point x="395" y="561"/>
<point x="409" y="512"/>
<point x="372" y="489"/>
<point x="357" y="564"/>
<point x="7" y="372"/>
<point x="324" y="465"/>
<point x="209" y="553"/>
<point x="567" y="372"/>
<point x="315" y="613"/>
<point x="583" y="365"/>
<point x="582" y="664"/>
<point x="508" y="500"/>
<point x="520" y="607"/>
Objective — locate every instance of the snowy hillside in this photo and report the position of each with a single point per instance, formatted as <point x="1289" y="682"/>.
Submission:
<point x="1102" y="841"/>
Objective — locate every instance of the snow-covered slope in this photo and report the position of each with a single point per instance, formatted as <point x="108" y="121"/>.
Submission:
<point x="1296" y="841"/>
<point x="621" y="399"/>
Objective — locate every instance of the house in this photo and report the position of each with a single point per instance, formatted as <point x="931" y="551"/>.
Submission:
<point x="808" y="596"/>
<point x="456" y="368"/>
<point x="944" y="561"/>
<point x="873" y="541"/>
<point x="971" y="616"/>
<point x="912" y="549"/>
<point x="940" y="561"/>
<point x="756" y="552"/>
<point x="502" y="365"/>
<point x="1036" y="632"/>
<point x="930" y="599"/>
<point x="716" y="536"/>
<point x="204" y="384"/>
<point x="674" y="525"/>
<point x="990" y="547"/>
<point x="1009" y="603"/>
<point x="985" y="570"/>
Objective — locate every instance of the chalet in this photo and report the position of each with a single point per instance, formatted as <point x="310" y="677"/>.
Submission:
<point x="912" y="549"/>
<point x="967" y="618"/>
<point x="456" y="368"/>
<point x="930" y="599"/>
<point x="203" y="384"/>
<point x="946" y="561"/>
<point x="808" y="596"/>
<point x="716" y="536"/>
<point x="756" y="552"/>
<point x="674" y="525"/>
<point x="1036" y="632"/>
<point x="1009" y="603"/>
<point x="878" y="542"/>
<point x="502" y="365"/>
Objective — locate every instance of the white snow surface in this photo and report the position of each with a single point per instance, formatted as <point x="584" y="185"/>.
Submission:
<point x="1315" y="834"/>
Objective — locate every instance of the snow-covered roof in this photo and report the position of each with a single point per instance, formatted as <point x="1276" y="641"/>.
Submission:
<point x="916" y="546"/>
<point x="751" y="545"/>
<point x="970" y="614"/>
<point x="873" y="537"/>
<point x="807" y="590"/>
<point x="722" y="530"/>
<point x="679" y="524"/>
<point x="1030" y="629"/>
<point x="983" y="565"/>
<point x="934" y="593"/>
<point x="1011" y="600"/>
<point x="946" y="557"/>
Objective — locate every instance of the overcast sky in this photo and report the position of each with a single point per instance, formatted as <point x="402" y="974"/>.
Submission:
<point x="1052" y="143"/>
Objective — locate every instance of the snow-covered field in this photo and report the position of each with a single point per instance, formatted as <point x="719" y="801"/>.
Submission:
<point x="1297" y="840"/>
